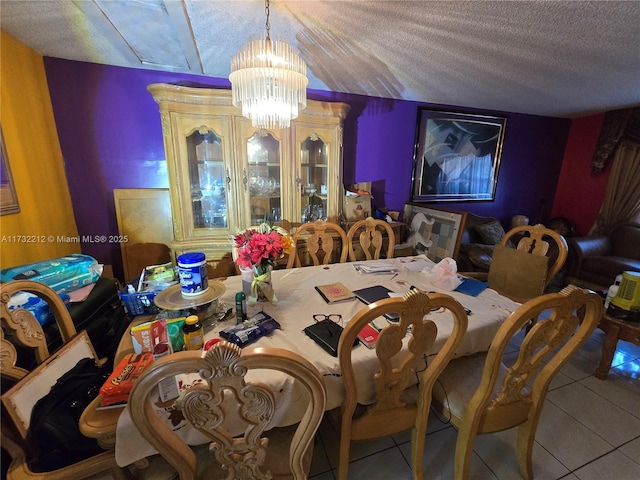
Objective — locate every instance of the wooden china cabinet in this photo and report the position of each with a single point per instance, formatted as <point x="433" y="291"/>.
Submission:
<point x="225" y="175"/>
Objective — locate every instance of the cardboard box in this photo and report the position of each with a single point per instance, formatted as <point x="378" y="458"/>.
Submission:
<point x="357" y="207"/>
<point x="146" y="336"/>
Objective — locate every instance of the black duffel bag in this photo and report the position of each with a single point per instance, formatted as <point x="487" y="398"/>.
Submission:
<point x="53" y="437"/>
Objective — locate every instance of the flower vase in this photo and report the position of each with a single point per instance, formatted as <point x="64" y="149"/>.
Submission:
<point x="264" y="283"/>
<point x="247" y="280"/>
<point x="261" y="286"/>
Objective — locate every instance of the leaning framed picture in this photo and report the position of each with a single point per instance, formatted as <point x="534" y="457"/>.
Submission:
<point x="456" y="156"/>
<point x="8" y="197"/>
<point x="435" y="232"/>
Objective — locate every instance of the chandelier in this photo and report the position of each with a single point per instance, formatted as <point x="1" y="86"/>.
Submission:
<point x="269" y="81"/>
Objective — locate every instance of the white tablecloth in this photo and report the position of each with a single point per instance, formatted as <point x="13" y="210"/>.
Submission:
<point x="298" y="301"/>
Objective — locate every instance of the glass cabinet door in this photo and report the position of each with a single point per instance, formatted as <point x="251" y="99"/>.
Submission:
<point x="314" y="178"/>
<point x="207" y="179"/>
<point x="263" y="155"/>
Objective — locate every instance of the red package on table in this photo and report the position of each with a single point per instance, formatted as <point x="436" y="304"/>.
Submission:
<point x="119" y="384"/>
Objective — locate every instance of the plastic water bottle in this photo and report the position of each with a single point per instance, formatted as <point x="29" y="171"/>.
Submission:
<point x="613" y="290"/>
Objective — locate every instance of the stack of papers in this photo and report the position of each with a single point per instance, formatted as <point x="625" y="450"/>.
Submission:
<point x="375" y="268"/>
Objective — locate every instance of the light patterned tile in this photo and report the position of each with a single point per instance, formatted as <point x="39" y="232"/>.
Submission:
<point x="629" y="369"/>
<point x="389" y="464"/>
<point x="560" y="380"/>
<point x="435" y="424"/>
<point x="323" y="476"/>
<point x="632" y="450"/>
<point x="438" y="457"/>
<point x="498" y="451"/>
<point x="320" y="461"/>
<point x="598" y="414"/>
<point x="358" y="449"/>
<point x="619" y="390"/>
<point x="567" y="439"/>
<point x="584" y="362"/>
<point x="614" y="465"/>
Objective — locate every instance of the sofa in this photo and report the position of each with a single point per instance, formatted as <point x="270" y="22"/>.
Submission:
<point x="595" y="261"/>
<point x="477" y="241"/>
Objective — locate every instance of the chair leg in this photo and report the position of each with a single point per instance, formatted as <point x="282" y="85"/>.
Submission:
<point x="120" y="474"/>
<point x="524" y="447"/>
<point x="343" y="460"/>
<point x="418" y="435"/>
<point x="464" y="453"/>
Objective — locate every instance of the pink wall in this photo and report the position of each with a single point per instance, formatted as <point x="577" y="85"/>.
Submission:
<point x="579" y="194"/>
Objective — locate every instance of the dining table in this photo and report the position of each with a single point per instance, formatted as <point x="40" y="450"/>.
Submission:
<point x="297" y="303"/>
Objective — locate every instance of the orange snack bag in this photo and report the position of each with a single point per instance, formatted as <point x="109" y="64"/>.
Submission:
<point x="119" y="384"/>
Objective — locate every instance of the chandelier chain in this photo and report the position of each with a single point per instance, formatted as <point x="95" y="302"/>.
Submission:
<point x="267" y="24"/>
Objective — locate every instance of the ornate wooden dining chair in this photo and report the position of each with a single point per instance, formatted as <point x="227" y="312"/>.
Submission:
<point x="26" y="333"/>
<point x="480" y="394"/>
<point x="370" y="236"/>
<point x="224" y="399"/>
<point x="535" y="240"/>
<point x="397" y="407"/>
<point x="319" y="237"/>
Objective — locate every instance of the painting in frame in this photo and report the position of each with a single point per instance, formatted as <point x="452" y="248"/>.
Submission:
<point x="434" y="232"/>
<point x="456" y="156"/>
<point x="8" y="197"/>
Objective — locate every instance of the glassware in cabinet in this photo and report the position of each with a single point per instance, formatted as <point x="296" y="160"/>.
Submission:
<point x="265" y="177"/>
<point x="207" y="179"/>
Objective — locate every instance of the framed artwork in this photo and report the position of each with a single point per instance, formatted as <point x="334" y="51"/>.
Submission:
<point x="436" y="232"/>
<point x="456" y="156"/>
<point x="23" y="396"/>
<point x="8" y="197"/>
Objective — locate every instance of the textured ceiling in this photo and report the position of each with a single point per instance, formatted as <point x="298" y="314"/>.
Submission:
<point x="564" y="59"/>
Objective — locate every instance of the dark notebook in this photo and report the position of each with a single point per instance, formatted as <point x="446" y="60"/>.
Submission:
<point x="326" y="334"/>
<point x="373" y="294"/>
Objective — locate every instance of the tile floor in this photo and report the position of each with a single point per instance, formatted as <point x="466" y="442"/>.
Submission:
<point x="589" y="430"/>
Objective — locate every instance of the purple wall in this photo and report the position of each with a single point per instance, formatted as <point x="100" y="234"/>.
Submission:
<point x="110" y="135"/>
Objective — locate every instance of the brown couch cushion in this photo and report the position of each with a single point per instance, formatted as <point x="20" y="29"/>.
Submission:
<point x="480" y="255"/>
<point x="625" y="241"/>
<point x="491" y="233"/>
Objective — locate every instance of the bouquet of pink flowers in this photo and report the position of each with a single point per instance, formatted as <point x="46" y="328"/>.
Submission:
<point x="259" y="247"/>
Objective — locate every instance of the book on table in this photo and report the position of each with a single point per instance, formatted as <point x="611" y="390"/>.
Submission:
<point x="374" y="293"/>
<point x="326" y="334"/>
<point x="368" y="336"/>
<point x="335" y="292"/>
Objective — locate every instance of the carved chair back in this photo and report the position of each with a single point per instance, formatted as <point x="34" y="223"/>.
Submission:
<point x="370" y="236"/>
<point x="480" y="394"/>
<point x="536" y="241"/>
<point x="233" y="413"/>
<point x="25" y="331"/>
<point x="319" y="237"/>
<point x="398" y="406"/>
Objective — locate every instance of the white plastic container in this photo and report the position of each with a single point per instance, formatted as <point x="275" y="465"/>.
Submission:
<point x="613" y="290"/>
<point x="192" y="269"/>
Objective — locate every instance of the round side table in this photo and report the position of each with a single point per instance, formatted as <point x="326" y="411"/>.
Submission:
<point x="616" y="330"/>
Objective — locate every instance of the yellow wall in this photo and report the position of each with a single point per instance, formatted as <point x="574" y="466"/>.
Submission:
<point x="35" y="160"/>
